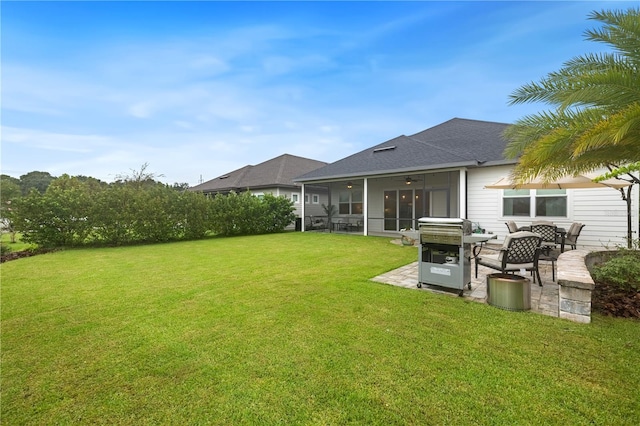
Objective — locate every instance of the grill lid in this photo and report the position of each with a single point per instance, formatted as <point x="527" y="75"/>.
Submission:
<point x="443" y="220"/>
<point x="443" y="230"/>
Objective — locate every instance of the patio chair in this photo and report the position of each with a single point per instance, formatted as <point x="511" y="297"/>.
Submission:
<point x="511" y="226"/>
<point x="572" y="234"/>
<point x="547" y="232"/>
<point x="548" y="252"/>
<point x="519" y="251"/>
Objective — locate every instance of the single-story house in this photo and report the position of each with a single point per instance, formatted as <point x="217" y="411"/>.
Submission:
<point x="274" y="176"/>
<point x="442" y="172"/>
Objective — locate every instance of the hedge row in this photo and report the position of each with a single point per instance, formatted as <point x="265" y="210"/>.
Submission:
<point x="73" y="212"/>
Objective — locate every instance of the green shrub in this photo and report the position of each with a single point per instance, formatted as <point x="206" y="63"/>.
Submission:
<point x="245" y="214"/>
<point x="4" y="249"/>
<point x="76" y="212"/>
<point x="276" y="213"/>
<point x="622" y="269"/>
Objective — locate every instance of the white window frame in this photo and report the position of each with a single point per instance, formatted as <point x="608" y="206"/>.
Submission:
<point x="351" y="202"/>
<point x="315" y="199"/>
<point x="295" y="197"/>
<point x="533" y="195"/>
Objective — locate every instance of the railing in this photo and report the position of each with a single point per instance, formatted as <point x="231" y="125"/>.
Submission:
<point x="391" y="224"/>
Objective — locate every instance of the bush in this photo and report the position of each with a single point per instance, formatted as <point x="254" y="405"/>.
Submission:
<point x="4" y="249"/>
<point x="622" y="269"/>
<point x="245" y="214"/>
<point x="75" y="212"/>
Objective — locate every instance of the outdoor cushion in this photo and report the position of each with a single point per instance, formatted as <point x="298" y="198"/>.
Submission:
<point x="497" y="264"/>
<point x="511" y="225"/>
<point x="520" y="250"/>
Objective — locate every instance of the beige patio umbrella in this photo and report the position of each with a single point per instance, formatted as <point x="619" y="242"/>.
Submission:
<point x="566" y="182"/>
<point x="575" y="182"/>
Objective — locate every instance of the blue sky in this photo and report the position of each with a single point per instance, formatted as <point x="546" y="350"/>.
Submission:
<point x="198" y="89"/>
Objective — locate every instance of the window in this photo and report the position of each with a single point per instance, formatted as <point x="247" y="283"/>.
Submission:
<point x="306" y="198"/>
<point x="295" y="198"/>
<point x="547" y="203"/>
<point x="356" y="202"/>
<point x="350" y="202"/>
<point x="516" y="202"/>
<point x="551" y="202"/>
<point x="315" y="198"/>
<point x="344" y="203"/>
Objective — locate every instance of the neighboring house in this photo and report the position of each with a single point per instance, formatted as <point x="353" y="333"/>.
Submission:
<point x="442" y="172"/>
<point x="274" y="177"/>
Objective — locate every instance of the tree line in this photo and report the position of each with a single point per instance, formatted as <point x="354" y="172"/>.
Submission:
<point x="79" y="211"/>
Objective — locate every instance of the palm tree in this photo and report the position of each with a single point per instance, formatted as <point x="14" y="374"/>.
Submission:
<point x="596" y="120"/>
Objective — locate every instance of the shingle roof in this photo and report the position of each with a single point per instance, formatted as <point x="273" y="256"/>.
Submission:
<point x="454" y="143"/>
<point x="277" y="172"/>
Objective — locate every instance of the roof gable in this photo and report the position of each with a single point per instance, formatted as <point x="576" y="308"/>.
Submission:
<point x="276" y="172"/>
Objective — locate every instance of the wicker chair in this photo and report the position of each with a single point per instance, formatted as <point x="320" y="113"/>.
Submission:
<point x="519" y="251"/>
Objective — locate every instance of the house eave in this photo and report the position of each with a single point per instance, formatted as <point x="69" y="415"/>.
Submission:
<point x="508" y="162"/>
<point x="380" y="173"/>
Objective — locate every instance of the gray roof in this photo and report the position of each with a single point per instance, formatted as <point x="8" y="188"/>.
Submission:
<point x="277" y="172"/>
<point x="454" y="143"/>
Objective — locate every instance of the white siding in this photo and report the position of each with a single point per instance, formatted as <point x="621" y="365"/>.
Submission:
<point x="602" y="210"/>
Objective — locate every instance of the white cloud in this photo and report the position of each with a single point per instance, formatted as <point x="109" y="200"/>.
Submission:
<point x="141" y="109"/>
<point x="37" y="139"/>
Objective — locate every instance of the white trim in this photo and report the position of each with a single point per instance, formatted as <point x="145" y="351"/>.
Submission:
<point x="365" y="206"/>
<point x="462" y="194"/>
<point x="302" y="208"/>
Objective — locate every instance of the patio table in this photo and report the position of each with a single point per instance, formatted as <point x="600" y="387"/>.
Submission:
<point x="478" y="241"/>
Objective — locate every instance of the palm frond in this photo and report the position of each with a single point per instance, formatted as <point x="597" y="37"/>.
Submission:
<point x="596" y="98"/>
<point x="621" y="31"/>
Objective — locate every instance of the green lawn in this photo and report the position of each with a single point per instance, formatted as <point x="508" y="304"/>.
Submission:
<point x="288" y="329"/>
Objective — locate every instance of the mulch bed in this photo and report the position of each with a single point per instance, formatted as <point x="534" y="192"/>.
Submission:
<point x="611" y="300"/>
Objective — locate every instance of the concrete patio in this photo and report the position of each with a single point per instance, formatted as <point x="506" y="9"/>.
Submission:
<point x="544" y="300"/>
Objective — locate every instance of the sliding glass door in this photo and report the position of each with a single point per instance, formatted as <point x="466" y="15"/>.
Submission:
<point x="390" y="210"/>
<point x="403" y="207"/>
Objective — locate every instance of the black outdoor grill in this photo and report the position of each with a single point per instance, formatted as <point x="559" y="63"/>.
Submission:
<point x="444" y="257"/>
